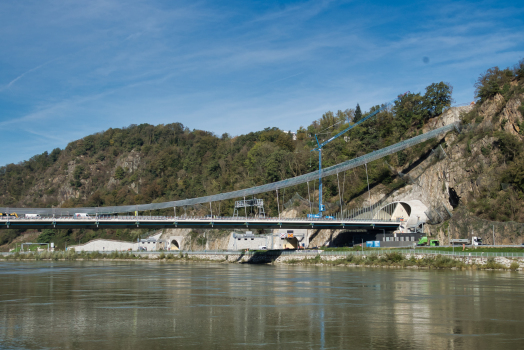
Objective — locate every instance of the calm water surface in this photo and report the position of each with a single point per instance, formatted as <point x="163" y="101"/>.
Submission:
<point x="153" y="305"/>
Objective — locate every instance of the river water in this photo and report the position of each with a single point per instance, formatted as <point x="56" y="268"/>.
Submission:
<point x="156" y="305"/>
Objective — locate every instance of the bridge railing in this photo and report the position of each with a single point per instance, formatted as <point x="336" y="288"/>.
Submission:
<point x="188" y="218"/>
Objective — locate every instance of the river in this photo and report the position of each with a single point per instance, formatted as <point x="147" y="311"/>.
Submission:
<point x="158" y="305"/>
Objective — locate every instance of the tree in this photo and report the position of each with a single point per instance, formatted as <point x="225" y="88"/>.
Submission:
<point x="55" y="154"/>
<point x="285" y="141"/>
<point x="119" y="173"/>
<point x="519" y="69"/>
<point x="436" y="98"/>
<point x="358" y="114"/>
<point x="489" y="84"/>
<point x="46" y="236"/>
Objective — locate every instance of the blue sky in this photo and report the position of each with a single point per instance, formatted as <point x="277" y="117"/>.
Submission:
<point x="72" y="68"/>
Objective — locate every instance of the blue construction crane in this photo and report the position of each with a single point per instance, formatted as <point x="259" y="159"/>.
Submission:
<point x="321" y="207"/>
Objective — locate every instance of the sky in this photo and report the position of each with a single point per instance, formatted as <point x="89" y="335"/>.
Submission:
<point x="69" y="69"/>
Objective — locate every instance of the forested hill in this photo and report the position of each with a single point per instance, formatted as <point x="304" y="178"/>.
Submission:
<point x="145" y="163"/>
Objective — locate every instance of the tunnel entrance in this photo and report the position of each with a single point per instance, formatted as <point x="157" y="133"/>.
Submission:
<point x="290" y="243"/>
<point x="174" y="245"/>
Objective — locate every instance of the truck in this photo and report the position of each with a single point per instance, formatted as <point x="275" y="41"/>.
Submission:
<point x="459" y="241"/>
<point x="476" y="240"/>
<point x="431" y="242"/>
<point x="32" y="216"/>
<point x="81" y="216"/>
<point x="8" y="215"/>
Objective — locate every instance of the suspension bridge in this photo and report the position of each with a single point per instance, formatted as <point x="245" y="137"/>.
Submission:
<point x="374" y="217"/>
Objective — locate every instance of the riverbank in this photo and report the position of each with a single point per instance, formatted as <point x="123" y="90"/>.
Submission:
<point x="410" y="259"/>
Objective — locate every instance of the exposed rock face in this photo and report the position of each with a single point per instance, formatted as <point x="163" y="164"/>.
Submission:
<point x="456" y="171"/>
<point x="450" y="116"/>
<point x="61" y="184"/>
<point x="131" y="162"/>
<point x="512" y="115"/>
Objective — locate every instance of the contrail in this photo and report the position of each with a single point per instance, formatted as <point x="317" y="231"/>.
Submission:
<point x="23" y="74"/>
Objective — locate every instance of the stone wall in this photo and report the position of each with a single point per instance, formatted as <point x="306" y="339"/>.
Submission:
<point x="283" y="259"/>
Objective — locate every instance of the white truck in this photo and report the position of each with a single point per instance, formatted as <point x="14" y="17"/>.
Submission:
<point x="32" y="216"/>
<point x="459" y="241"/>
<point x="81" y="216"/>
<point x="476" y="240"/>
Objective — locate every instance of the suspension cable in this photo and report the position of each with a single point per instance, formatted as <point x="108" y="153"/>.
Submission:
<point x="339" y="197"/>
<point x="343" y="186"/>
<point x="309" y="197"/>
<point x="369" y="193"/>
<point x="278" y="204"/>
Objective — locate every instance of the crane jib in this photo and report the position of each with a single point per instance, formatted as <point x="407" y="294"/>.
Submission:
<point x="320" y="145"/>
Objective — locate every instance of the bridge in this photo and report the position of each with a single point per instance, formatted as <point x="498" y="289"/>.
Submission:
<point x="159" y="222"/>
<point x="102" y="217"/>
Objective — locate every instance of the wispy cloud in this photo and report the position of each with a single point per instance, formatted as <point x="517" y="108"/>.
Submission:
<point x="233" y="67"/>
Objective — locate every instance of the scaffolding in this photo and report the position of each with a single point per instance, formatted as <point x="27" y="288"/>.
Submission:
<point x="253" y="203"/>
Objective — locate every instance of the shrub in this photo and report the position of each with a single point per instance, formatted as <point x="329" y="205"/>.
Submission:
<point x="492" y="264"/>
<point x="394" y="257"/>
<point x="514" y="266"/>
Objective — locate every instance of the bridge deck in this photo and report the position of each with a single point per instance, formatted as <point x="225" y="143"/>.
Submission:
<point x="197" y="223"/>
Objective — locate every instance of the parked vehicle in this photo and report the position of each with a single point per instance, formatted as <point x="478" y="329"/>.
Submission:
<point x="459" y="241"/>
<point x="476" y="240"/>
<point x="432" y="242"/>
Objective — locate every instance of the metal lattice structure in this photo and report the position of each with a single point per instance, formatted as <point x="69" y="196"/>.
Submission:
<point x="255" y="202"/>
<point x="275" y="186"/>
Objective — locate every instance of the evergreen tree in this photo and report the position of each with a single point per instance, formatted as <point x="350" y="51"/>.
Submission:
<point x="358" y="114"/>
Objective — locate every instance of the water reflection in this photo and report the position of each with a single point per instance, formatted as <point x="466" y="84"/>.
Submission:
<point x="95" y="305"/>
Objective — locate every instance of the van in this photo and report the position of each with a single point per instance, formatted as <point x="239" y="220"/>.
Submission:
<point x="32" y="216"/>
<point x="81" y="216"/>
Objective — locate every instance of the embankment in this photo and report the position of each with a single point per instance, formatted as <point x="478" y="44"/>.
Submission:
<point x="384" y="258"/>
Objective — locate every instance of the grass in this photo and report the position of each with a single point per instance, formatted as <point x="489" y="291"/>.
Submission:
<point x="477" y="250"/>
<point x="396" y="259"/>
<point x="437" y="249"/>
